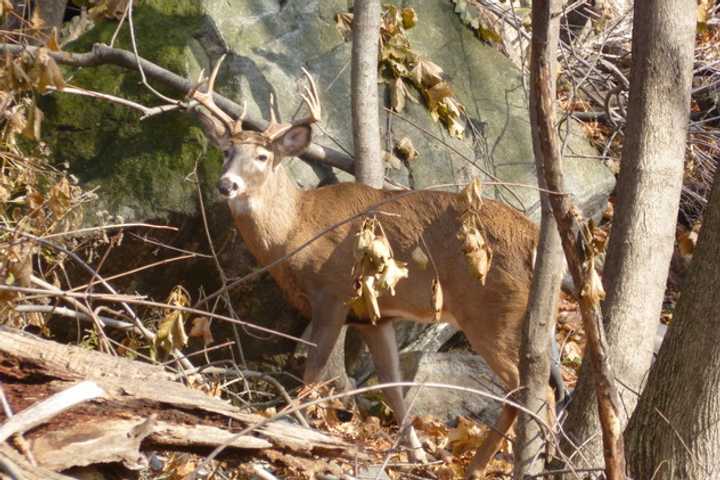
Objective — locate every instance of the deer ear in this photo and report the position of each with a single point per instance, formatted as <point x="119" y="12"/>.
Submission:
<point x="214" y="130"/>
<point x="294" y="141"/>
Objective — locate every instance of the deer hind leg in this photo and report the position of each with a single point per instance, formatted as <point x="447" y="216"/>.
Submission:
<point x="504" y="363"/>
<point x="381" y="342"/>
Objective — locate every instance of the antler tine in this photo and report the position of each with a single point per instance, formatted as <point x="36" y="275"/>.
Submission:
<point x="206" y="100"/>
<point x="312" y="100"/>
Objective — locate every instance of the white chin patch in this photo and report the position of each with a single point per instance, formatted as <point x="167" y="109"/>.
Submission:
<point x="242" y="204"/>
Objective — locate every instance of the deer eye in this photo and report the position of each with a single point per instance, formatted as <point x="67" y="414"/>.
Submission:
<point x="262" y="157"/>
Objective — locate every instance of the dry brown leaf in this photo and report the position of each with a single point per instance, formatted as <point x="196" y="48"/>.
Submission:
<point x="393" y="272"/>
<point x="201" y="328"/>
<point x="593" y="289"/>
<point x="436" y="94"/>
<point x="477" y="251"/>
<point x="426" y="73"/>
<point x="472" y="194"/>
<point x="406" y="149"/>
<point x="409" y="18"/>
<point x="687" y="239"/>
<point x="343" y="24"/>
<point x="375" y="271"/>
<point x="466" y="436"/>
<point x="392" y="161"/>
<point x="171" y="331"/>
<point x="437" y="299"/>
<point x="34" y="122"/>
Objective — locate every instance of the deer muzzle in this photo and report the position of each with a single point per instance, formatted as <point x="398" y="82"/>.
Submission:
<point x="230" y="186"/>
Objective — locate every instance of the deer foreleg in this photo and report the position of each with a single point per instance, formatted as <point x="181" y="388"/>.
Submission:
<point x="327" y="358"/>
<point x="381" y="342"/>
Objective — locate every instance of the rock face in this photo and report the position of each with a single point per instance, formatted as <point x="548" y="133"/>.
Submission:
<point x="144" y="169"/>
<point x="454" y="368"/>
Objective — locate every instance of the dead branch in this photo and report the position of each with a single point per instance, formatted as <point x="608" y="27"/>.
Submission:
<point x="574" y="233"/>
<point x="112" y="428"/>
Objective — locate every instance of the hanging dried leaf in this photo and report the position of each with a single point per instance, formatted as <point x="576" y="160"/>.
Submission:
<point x="343" y="24"/>
<point x="53" y="43"/>
<point x="437" y="299"/>
<point x="34" y="122"/>
<point x="398" y="94"/>
<point x="477" y="252"/>
<point x="406" y="149"/>
<point x="375" y="271"/>
<point x="409" y="18"/>
<point x="426" y="73"/>
<point x="473" y="195"/>
<point x="46" y="72"/>
<point x="393" y="272"/>
<point x="392" y="161"/>
<point x="6" y="7"/>
<point x="171" y="330"/>
<point x="370" y="295"/>
<point x="593" y="289"/>
<point x="399" y="62"/>
<point x="201" y="328"/>
<point x="436" y="95"/>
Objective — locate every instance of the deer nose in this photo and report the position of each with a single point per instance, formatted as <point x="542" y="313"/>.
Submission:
<point x="227" y="187"/>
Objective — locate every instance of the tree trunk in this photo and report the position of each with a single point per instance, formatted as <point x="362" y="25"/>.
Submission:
<point x="675" y="431"/>
<point x="535" y="355"/>
<point x="575" y="236"/>
<point x="369" y="166"/>
<point x="51" y="12"/>
<point x="648" y="189"/>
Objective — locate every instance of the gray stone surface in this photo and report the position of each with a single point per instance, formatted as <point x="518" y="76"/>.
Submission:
<point x="454" y="368"/>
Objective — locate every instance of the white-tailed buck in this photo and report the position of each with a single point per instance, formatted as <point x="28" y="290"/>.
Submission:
<point x="275" y="217"/>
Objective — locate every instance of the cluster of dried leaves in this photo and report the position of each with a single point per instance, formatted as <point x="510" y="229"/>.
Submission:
<point x="477" y="251"/>
<point x="401" y="68"/>
<point x="375" y="271"/>
<point x="35" y="198"/>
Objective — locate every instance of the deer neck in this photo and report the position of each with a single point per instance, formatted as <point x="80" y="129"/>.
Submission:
<point x="266" y="219"/>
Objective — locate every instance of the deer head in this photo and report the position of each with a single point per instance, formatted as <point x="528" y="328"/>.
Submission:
<point x="251" y="159"/>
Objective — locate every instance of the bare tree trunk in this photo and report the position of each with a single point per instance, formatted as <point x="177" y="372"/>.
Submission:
<point x="574" y="234"/>
<point x="369" y="166"/>
<point x="535" y="355"/>
<point x="675" y="430"/>
<point x="648" y="189"/>
<point x="51" y="13"/>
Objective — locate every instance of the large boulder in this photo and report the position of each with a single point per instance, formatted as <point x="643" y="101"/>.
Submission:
<point x="144" y="168"/>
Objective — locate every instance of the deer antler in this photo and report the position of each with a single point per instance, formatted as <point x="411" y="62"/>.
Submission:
<point x="206" y="100"/>
<point x="310" y="98"/>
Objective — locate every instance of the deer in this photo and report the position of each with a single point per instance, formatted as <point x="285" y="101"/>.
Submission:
<point x="274" y="217"/>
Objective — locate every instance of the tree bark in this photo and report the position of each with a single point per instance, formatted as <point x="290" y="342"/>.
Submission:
<point x="675" y="430"/>
<point x="369" y="166"/>
<point x="574" y="233"/>
<point x="649" y="185"/>
<point x="535" y="355"/>
<point x="51" y="12"/>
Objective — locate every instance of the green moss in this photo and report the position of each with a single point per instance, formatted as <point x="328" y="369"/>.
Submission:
<point x="140" y="166"/>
